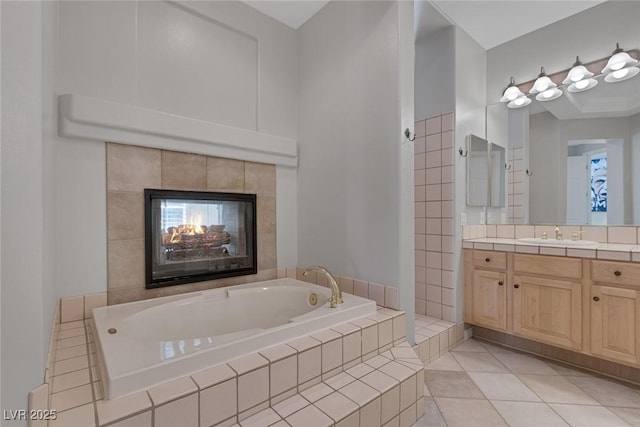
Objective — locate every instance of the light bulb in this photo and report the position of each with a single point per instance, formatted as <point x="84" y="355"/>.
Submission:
<point x="577" y="77"/>
<point x="582" y="84"/>
<point x="548" y="93"/>
<point x="617" y="65"/>
<point x="519" y="101"/>
<point x="620" y="73"/>
<point x="512" y="93"/>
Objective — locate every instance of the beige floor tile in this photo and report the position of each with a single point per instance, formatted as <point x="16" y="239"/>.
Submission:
<point x="568" y="370"/>
<point x="609" y="392"/>
<point x="444" y="363"/>
<point x="630" y="415"/>
<point x="469" y="413"/>
<point x="431" y="417"/>
<point x="528" y="414"/>
<point x="503" y="387"/>
<point x="495" y="348"/>
<point x="470" y="345"/>
<point x="523" y="364"/>
<point x="556" y="389"/>
<point x="588" y="416"/>
<point x="451" y="384"/>
<point x="479" y="362"/>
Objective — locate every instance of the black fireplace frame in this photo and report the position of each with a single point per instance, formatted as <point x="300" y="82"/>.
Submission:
<point x="250" y="225"/>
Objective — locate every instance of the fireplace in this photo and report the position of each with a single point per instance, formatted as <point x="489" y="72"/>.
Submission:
<point x="192" y="236"/>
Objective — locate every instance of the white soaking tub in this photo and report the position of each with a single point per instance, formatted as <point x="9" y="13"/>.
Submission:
<point x="144" y="343"/>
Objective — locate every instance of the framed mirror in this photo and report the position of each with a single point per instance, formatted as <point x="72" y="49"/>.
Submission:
<point x="497" y="178"/>
<point x="577" y="158"/>
<point x="477" y="171"/>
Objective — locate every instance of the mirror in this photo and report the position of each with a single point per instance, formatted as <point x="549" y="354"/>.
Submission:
<point x="574" y="160"/>
<point x="485" y="173"/>
<point x="477" y="171"/>
<point x="497" y="180"/>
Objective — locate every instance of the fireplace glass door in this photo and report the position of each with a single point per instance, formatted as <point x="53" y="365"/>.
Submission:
<point x="194" y="236"/>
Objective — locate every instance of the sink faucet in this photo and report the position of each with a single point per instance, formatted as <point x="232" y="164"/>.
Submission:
<point x="558" y="233"/>
<point x="336" y="293"/>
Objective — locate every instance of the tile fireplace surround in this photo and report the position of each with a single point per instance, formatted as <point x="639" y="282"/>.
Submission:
<point x="131" y="169"/>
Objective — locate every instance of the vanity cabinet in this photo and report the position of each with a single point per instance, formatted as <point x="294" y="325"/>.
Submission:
<point x="587" y="306"/>
<point x="548" y="310"/>
<point x="486" y="295"/>
<point x="547" y="299"/>
<point x="489" y="299"/>
<point x="615" y="311"/>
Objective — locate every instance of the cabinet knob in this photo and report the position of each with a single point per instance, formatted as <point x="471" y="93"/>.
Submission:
<point x="500" y="283"/>
<point x="516" y="286"/>
<point x="487" y="259"/>
<point x="617" y="273"/>
<point x="596" y="299"/>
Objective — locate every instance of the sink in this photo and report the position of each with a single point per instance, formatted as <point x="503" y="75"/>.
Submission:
<point x="554" y="242"/>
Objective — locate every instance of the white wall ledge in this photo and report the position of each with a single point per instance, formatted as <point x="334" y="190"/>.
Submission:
<point x="100" y="120"/>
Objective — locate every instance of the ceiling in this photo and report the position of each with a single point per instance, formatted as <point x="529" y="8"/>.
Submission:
<point x="293" y="13"/>
<point x="492" y="23"/>
<point x="489" y="22"/>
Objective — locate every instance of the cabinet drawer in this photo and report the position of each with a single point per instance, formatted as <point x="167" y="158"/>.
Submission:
<point x="622" y="273"/>
<point x="490" y="259"/>
<point x="570" y="268"/>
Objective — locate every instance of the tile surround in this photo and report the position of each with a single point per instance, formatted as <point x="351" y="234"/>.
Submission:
<point x="131" y="169"/>
<point x="434" y="213"/>
<point x="214" y="389"/>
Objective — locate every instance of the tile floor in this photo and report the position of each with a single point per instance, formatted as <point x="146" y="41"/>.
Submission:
<point x="481" y="384"/>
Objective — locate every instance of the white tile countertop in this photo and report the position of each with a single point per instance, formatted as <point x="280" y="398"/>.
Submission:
<point x="608" y="251"/>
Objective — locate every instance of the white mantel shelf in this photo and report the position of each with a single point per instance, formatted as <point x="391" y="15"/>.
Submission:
<point x="106" y="121"/>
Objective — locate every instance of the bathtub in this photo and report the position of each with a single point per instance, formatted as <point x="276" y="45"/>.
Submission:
<point x="144" y="343"/>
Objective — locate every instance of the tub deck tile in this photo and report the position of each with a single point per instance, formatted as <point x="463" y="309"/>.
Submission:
<point x="277" y="353"/>
<point x="248" y="363"/>
<point x="172" y="390"/>
<point x="303" y="344"/>
<point x="123" y="407"/>
<point x="386" y="387"/>
<point x="213" y="376"/>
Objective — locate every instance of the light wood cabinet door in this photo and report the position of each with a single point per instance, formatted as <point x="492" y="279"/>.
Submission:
<point x="489" y="299"/>
<point x="548" y="310"/>
<point x="615" y="317"/>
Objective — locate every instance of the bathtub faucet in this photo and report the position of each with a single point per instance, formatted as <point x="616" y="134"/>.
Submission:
<point x="336" y="293"/>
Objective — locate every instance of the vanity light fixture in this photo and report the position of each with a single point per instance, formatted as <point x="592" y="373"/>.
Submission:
<point x="545" y="88"/>
<point x="620" y="67"/>
<point x="579" y="78"/>
<point x="621" y="75"/>
<point x="520" y="102"/>
<point x="512" y="92"/>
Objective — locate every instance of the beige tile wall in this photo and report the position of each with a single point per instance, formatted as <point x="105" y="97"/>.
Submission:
<point x="131" y="169"/>
<point x="434" y="206"/>
<point x="515" y="186"/>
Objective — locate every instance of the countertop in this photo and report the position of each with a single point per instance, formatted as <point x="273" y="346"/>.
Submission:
<point x="607" y="251"/>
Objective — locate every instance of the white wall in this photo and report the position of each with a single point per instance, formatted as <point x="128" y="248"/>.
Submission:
<point x="470" y="101"/>
<point x="217" y="61"/>
<point x="349" y="136"/>
<point x="591" y="34"/>
<point x="434" y="74"/>
<point x="634" y="135"/>
<point x="27" y="296"/>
